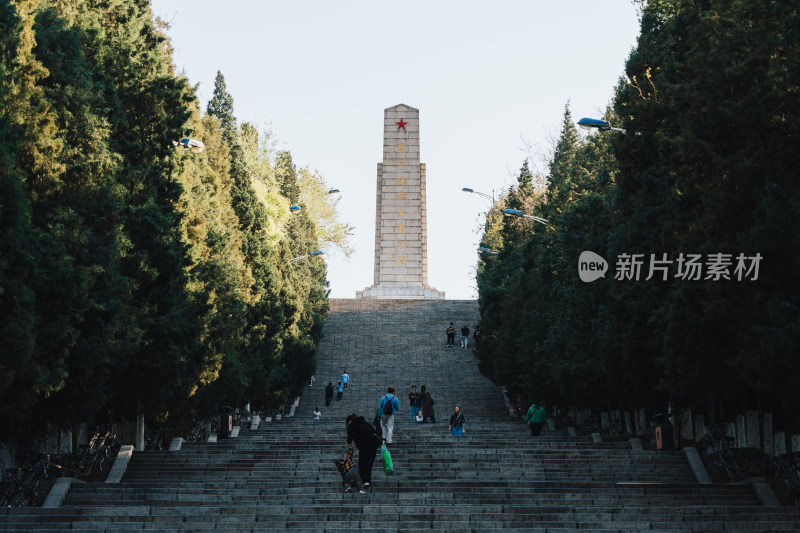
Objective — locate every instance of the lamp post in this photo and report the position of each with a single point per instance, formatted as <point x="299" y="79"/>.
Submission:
<point x="333" y="191"/>
<point x="486" y="250"/>
<point x="593" y="123"/>
<point x="518" y="213"/>
<point x="312" y="254"/>
<point x="467" y="189"/>
<point x="192" y="144"/>
<point x="295" y="208"/>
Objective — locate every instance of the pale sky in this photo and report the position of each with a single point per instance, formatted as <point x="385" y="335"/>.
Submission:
<point x="490" y="80"/>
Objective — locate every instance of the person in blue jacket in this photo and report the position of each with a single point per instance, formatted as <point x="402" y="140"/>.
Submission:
<point x="387" y="408"/>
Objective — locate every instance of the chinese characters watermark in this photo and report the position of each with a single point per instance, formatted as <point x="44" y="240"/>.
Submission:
<point x="685" y="267"/>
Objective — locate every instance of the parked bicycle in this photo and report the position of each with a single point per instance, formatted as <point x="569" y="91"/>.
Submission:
<point x="158" y="439"/>
<point x="199" y="432"/>
<point x="28" y="484"/>
<point x="717" y="449"/>
<point x="588" y="426"/>
<point x="98" y="454"/>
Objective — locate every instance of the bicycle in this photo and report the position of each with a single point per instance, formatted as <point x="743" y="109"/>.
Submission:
<point x="563" y="421"/>
<point x="198" y="433"/>
<point x="587" y="427"/>
<point x="159" y="439"/>
<point x="28" y="483"/>
<point x="613" y="432"/>
<point x="715" y="447"/>
<point x="608" y="433"/>
<point x="107" y="453"/>
<point x="100" y="449"/>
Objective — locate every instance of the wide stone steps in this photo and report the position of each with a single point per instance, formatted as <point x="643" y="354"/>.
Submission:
<point x="538" y="490"/>
<point x="400" y="343"/>
<point x="281" y="477"/>
<point x="369" y="518"/>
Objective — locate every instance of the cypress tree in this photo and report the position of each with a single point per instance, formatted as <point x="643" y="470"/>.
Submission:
<point x="221" y="107"/>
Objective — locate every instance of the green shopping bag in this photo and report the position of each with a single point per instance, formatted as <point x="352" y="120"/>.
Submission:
<point x="387" y="460"/>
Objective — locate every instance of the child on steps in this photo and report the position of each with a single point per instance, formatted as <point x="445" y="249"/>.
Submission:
<point x="349" y="471"/>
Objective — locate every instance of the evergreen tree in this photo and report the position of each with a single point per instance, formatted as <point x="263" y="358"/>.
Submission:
<point x="221" y="107"/>
<point x="723" y="153"/>
<point x="706" y="167"/>
<point x="550" y="333"/>
<point x="138" y="277"/>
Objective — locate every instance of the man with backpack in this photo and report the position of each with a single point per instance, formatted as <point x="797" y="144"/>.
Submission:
<point x="388" y="406"/>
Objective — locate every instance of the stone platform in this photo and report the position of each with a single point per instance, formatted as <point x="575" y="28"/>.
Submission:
<point x="400" y="293"/>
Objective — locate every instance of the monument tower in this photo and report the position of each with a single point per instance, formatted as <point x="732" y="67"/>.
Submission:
<point x="401" y="243"/>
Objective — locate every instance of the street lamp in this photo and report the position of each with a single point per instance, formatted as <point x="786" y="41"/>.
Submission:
<point x="295" y="208"/>
<point x="333" y="191"/>
<point x="602" y="125"/>
<point x="312" y="254"/>
<point x="192" y="144"/>
<point x="467" y="189"/>
<point x="486" y="250"/>
<point x="518" y="213"/>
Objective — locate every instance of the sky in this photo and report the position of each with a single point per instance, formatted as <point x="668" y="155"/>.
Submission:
<point x="491" y="80"/>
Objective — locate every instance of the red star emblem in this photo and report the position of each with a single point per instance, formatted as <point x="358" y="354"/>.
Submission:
<point x="401" y="125"/>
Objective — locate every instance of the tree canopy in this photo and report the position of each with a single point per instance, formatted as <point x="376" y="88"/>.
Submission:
<point x="705" y="170"/>
<point x="137" y="276"/>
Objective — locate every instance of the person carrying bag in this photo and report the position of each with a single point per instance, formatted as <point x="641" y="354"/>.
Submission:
<point x="457" y="422"/>
<point x="387" y="460"/>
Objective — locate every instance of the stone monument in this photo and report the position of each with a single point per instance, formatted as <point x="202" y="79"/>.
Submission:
<point x="401" y="243"/>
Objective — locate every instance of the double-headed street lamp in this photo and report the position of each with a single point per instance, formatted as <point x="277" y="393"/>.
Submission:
<point x="593" y="123"/>
<point x="297" y="208"/>
<point x="192" y="144"/>
<point x="518" y="213"/>
<point x="312" y="254"/>
<point x="467" y="189"/>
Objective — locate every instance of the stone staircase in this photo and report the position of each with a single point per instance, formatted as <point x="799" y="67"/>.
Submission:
<point x="281" y="476"/>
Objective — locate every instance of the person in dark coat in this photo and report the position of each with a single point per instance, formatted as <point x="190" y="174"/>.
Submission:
<point x="457" y="422"/>
<point x="426" y="403"/>
<point x="367" y="442"/>
<point x="329" y="394"/>
<point x="413" y="402"/>
<point x="451" y="335"/>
